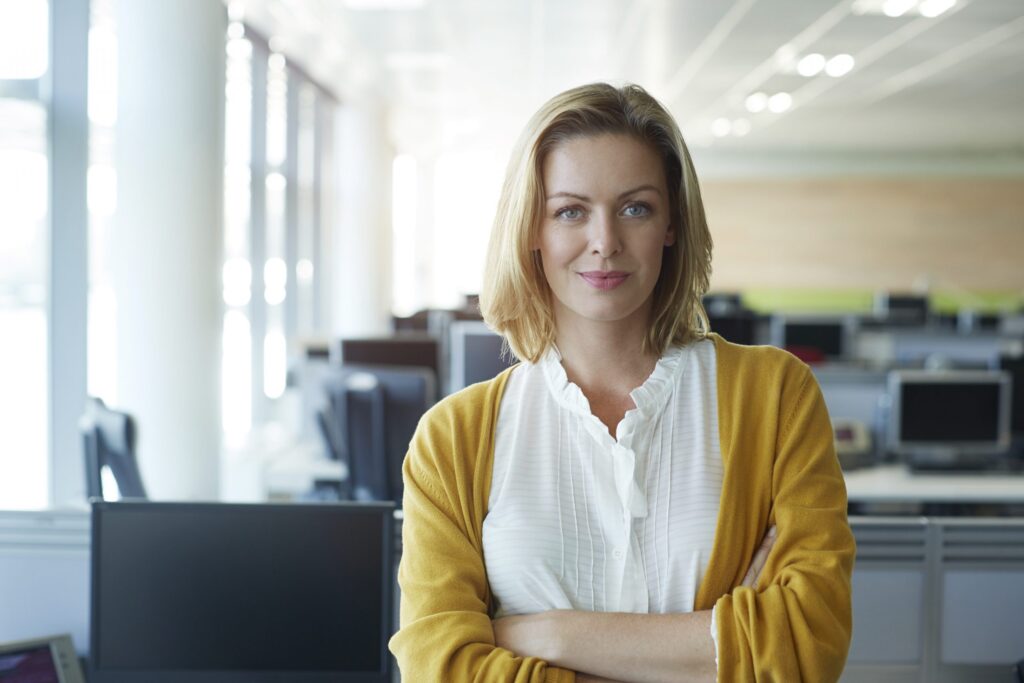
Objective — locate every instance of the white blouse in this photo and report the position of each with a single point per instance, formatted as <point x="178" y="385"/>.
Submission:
<point x="580" y="520"/>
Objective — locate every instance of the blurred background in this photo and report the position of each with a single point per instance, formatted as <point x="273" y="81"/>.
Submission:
<point x="195" y="197"/>
<point x="241" y="245"/>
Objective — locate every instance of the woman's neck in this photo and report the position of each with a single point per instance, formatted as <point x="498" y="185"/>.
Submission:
<point x="605" y="358"/>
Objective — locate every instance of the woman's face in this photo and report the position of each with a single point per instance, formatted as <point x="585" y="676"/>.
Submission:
<point x="605" y="225"/>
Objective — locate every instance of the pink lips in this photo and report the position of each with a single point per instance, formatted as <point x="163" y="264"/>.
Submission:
<point x="604" y="279"/>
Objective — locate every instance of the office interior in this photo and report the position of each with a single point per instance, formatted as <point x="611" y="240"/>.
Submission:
<point x="241" y="244"/>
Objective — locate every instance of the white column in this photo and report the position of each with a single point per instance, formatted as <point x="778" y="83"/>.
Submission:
<point x="69" y="279"/>
<point x="361" y="258"/>
<point x="167" y="238"/>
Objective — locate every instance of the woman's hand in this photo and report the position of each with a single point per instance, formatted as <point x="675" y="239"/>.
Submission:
<point x="760" y="557"/>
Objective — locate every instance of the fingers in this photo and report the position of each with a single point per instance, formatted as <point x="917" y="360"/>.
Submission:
<point x="760" y="557"/>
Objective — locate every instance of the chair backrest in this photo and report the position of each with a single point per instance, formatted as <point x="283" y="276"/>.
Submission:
<point x="370" y="418"/>
<point x="108" y="440"/>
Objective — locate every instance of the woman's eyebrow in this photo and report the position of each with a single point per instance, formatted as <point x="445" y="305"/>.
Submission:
<point x="640" y="188"/>
<point x="584" y="198"/>
<point x="571" y="195"/>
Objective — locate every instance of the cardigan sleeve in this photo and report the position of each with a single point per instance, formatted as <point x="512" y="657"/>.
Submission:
<point x="797" y="625"/>
<point x="446" y="632"/>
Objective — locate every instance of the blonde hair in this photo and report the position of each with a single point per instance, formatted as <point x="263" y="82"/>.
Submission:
<point x="515" y="298"/>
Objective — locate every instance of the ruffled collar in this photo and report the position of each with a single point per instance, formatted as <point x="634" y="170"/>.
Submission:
<point x="650" y="397"/>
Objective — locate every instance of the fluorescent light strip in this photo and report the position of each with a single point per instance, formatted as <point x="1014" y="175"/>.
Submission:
<point x="768" y="68"/>
<point x="944" y="60"/>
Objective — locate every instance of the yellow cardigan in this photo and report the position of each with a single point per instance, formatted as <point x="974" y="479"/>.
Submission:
<point x="780" y="468"/>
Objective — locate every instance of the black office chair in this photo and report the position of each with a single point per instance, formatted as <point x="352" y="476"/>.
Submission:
<point x="108" y="440"/>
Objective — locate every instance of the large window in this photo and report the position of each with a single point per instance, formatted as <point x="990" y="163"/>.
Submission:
<point x="277" y="130"/>
<point x="277" y="161"/>
<point x="24" y="202"/>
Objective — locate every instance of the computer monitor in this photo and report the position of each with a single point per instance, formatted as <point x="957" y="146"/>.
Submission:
<point x="944" y="416"/>
<point x="407" y="350"/>
<point x="722" y="303"/>
<point x="738" y="327"/>
<point x="816" y="337"/>
<point x="413" y="324"/>
<point x="233" y="593"/>
<point x="476" y="354"/>
<point x="1014" y="366"/>
<point x="374" y="411"/>
<point x="911" y="309"/>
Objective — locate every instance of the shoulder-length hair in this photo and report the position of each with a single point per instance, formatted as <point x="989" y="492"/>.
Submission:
<point x="515" y="298"/>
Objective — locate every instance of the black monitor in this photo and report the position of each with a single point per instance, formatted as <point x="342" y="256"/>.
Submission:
<point x="477" y="354"/>
<point x="408" y="350"/>
<point x="241" y="593"/>
<point x="722" y="303"/>
<point x="1014" y="366"/>
<point x="910" y="309"/>
<point x="827" y="336"/>
<point x="738" y="327"/>
<point x="373" y="412"/>
<point x="949" y="413"/>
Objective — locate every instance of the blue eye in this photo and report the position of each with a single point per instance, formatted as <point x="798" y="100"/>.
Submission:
<point x="569" y="213"/>
<point x="637" y="210"/>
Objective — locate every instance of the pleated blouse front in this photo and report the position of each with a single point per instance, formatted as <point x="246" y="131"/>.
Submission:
<point x="580" y="520"/>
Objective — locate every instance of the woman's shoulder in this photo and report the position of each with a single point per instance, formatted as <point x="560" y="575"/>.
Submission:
<point x="451" y="447"/>
<point x="756" y="362"/>
<point x="469" y="406"/>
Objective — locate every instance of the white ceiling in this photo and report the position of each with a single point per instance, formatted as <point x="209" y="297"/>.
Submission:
<point x="454" y="72"/>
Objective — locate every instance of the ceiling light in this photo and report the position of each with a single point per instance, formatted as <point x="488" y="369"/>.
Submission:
<point x="897" y="8"/>
<point x="740" y="127"/>
<point x="780" y="102"/>
<point x="933" y="8"/>
<point x="810" y="65"/>
<point x="720" y="127"/>
<point x="785" y="57"/>
<point x="862" y="7"/>
<point x="756" y="102"/>
<point x="840" y="65"/>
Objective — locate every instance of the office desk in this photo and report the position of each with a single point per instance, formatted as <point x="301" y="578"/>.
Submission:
<point x="895" y="483"/>
<point x="888" y="487"/>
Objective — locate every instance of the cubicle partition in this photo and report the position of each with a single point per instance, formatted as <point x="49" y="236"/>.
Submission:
<point x="936" y="600"/>
<point x="44" y="575"/>
<point x="916" y="346"/>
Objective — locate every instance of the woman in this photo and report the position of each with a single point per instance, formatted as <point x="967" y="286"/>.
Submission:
<point x="602" y="511"/>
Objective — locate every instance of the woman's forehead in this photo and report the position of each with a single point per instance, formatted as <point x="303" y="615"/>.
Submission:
<point x="608" y="163"/>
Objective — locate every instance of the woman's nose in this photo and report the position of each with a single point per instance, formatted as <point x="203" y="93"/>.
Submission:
<point x="604" y="236"/>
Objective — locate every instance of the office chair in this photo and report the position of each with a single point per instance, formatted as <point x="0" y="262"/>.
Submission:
<point x="108" y="440"/>
<point x="334" y="447"/>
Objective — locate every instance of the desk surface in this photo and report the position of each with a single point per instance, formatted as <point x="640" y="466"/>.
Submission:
<point x="895" y="483"/>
